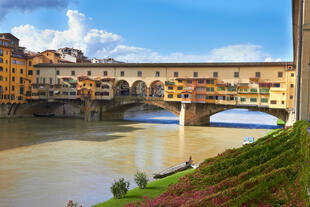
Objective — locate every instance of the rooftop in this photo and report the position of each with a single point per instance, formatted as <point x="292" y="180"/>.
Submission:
<point x="226" y="64"/>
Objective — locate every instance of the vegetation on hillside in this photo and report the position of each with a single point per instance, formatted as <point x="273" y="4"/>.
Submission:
<point x="273" y="171"/>
<point x="152" y="190"/>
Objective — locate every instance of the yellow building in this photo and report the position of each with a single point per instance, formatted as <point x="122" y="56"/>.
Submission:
<point x="16" y="71"/>
<point x="47" y="56"/>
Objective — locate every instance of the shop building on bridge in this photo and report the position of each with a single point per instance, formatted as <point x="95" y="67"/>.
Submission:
<point x="266" y="84"/>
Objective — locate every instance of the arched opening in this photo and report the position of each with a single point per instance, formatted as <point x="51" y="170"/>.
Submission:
<point x="139" y="88"/>
<point x="244" y="118"/>
<point x="157" y="89"/>
<point x="122" y="88"/>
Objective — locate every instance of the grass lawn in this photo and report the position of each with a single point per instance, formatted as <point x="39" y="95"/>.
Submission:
<point x="152" y="190"/>
<point x="280" y="122"/>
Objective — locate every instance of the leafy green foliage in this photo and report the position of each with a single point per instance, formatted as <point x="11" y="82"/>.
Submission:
<point x="141" y="179"/>
<point x="120" y="188"/>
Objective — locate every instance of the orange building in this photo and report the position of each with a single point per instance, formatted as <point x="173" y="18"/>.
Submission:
<point x="16" y="71"/>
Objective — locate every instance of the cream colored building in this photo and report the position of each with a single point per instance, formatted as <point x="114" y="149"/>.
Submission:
<point x="280" y="76"/>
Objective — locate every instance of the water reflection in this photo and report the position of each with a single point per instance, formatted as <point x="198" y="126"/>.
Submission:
<point x="46" y="162"/>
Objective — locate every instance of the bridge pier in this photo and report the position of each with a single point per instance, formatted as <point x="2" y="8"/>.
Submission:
<point x="191" y="115"/>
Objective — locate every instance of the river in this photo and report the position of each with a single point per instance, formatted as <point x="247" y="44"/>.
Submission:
<point x="46" y="162"/>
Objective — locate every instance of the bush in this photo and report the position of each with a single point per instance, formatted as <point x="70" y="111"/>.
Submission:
<point x="120" y="188"/>
<point x="141" y="179"/>
<point x="72" y="204"/>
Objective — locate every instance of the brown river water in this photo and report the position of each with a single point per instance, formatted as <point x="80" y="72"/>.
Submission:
<point x="46" y="162"/>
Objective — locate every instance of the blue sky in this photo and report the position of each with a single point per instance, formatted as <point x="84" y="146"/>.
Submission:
<point x="157" y="30"/>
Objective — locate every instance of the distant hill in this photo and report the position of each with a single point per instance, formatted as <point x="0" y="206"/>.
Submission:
<point x="273" y="171"/>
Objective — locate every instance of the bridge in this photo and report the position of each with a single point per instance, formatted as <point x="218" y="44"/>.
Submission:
<point x="192" y="91"/>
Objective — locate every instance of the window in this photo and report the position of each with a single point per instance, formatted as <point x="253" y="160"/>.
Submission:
<point x="282" y="102"/>
<point x="13" y="78"/>
<point x="21" y="80"/>
<point x="1" y="42"/>
<point x="23" y="62"/>
<point x="1" y="69"/>
<point x="30" y="63"/>
<point x="57" y="72"/>
<point x="91" y="85"/>
<point x="13" y="88"/>
<point x="38" y="72"/>
<point x="106" y="86"/>
<point x="1" y="52"/>
<point x="170" y="95"/>
<point x="89" y="73"/>
<point x="254" y="90"/>
<point x="291" y="97"/>
<point x="73" y="73"/>
<point x="277" y="85"/>
<point x="195" y="74"/>
<point x="257" y="74"/>
<point x="200" y="96"/>
<point x="180" y="87"/>
<point x="201" y="89"/>
<point x="292" y="85"/>
<point x="236" y="74"/>
<point x="273" y="102"/>
<point x="29" y="72"/>
<point x="179" y="96"/>
<point x="212" y="81"/>
<point x="105" y="73"/>
<point x="264" y="100"/>
<point x="21" y="71"/>
<point x="176" y="74"/>
<point x="253" y="99"/>
<point x="157" y="74"/>
<point x="201" y="81"/>
<point x="139" y="73"/>
<point x="215" y="74"/>
<point x="292" y="74"/>
<point x="1" y="78"/>
<point x="179" y="81"/>
<point x="51" y="81"/>
<point x="43" y="80"/>
<point x="37" y="80"/>
<point x="72" y="93"/>
<point x="280" y="74"/>
<point x="58" y="81"/>
<point x="17" y="62"/>
<point x="243" y="99"/>
<point x="21" y="90"/>
<point x="13" y="61"/>
<point x="13" y="70"/>
<point x="98" y="85"/>
<point x="1" y="60"/>
<point x="189" y="81"/>
<point x="6" y="44"/>
<point x="170" y="87"/>
<point x="122" y="73"/>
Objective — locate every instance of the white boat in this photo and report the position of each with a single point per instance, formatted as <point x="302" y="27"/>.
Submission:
<point x="248" y="140"/>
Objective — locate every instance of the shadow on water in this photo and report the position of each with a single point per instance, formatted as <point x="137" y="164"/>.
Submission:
<point x="31" y="131"/>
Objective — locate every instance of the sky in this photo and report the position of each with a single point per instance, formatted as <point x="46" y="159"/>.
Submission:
<point x="155" y="30"/>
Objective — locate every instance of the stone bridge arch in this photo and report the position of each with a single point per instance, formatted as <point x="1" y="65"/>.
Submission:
<point x="116" y="110"/>
<point x="199" y="114"/>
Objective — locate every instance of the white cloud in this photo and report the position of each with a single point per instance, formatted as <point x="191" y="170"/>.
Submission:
<point x="99" y="43"/>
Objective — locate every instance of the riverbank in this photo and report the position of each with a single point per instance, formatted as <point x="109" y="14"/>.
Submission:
<point x="273" y="171"/>
<point x="152" y="190"/>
